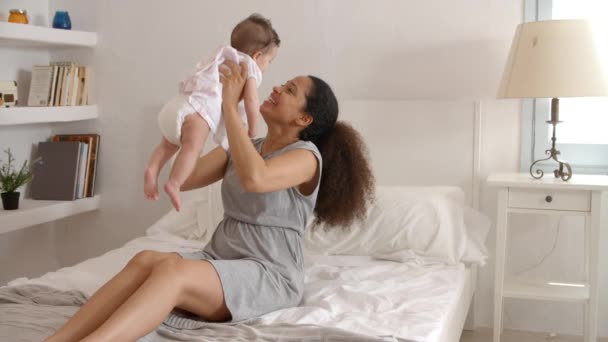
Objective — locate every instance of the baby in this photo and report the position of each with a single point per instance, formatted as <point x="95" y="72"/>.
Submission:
<point x="185" y="121"/>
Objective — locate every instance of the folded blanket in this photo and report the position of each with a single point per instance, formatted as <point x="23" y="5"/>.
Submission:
<point x="30" y="313"/>
<point x="276" y="332"/>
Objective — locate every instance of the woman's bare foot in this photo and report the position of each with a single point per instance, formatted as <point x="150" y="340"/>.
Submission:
<point x="151" y="184"/>
<point x="172" y="190"/>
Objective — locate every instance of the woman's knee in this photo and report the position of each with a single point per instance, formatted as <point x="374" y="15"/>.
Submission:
<point x="186" y="275"/>
<point x="146" y="260"/>
<point x="170" y="267"/>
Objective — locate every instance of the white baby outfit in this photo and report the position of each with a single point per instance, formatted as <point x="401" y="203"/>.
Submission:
<point x="201" y="93"/>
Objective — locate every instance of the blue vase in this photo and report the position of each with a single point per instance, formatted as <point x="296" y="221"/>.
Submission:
<point x="62" y="21"/>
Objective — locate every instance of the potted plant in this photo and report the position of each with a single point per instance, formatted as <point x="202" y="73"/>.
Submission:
<point x="11" y="180"/>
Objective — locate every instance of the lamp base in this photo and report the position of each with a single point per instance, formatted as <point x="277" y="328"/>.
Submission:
<point x="564" y="171"/>
<point x="553" y="152"/>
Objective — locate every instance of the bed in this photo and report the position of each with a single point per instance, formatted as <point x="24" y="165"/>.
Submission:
<point x="419" y="288"/>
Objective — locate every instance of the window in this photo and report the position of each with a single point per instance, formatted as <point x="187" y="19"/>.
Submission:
<point x="583" y="136"/>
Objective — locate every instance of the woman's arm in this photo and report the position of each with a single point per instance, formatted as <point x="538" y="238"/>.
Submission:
<point x="209" y="169"/>
<point x="252" y="105"/>
<point x="288" y="170"/>
<point x="256" y="174"/>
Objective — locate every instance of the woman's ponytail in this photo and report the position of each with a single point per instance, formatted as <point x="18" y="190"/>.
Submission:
<point x="347" y="181"/>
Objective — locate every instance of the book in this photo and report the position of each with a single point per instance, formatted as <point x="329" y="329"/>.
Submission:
<point x="93" y="166"/>
<point x="56" y="85"/>
<point x="56" y="176"/>
<point x="40" y="86"/>
<point x="82" y="171"/>
<point x="88" y="140"/>
<point x="68" y="85"/>
<point x="59" y="91"/>
<point x="86" y="86"/>
<point x="65" y="85"/>
<point x="93" y="141"/>
<point x="60" y="84"/>
<point x="79" y="101"/>
<point x="63" y="82"/>
<point x="53" y="84"/>
<point x="74" y="85"/>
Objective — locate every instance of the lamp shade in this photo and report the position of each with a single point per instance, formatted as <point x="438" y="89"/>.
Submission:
<point x="556" y="58"/>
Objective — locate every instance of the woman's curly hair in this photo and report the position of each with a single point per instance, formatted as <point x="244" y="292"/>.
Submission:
<point x="347" y="181"/>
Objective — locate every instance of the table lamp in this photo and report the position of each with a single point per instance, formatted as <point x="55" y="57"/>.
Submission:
<point x="553" y="59"/>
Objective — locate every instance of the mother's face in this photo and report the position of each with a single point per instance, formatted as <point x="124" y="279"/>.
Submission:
<point x="286" y="103"/>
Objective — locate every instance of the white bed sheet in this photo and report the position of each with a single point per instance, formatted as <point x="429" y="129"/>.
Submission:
<point x="419" y="300"/>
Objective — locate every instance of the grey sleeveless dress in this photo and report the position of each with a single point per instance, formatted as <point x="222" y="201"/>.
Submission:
<point x="257" y="247"/>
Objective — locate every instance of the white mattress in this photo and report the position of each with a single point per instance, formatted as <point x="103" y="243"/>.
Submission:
<point x="419" y="300"/>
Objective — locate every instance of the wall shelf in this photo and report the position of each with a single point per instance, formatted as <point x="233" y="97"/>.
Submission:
<point x="33" y="212"/>
<point x="38" y="36"/>
<point x="33" y="115"/>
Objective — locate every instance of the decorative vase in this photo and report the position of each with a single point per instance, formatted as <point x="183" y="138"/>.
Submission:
<point x="62" y="20"/>
<point x="10" y="200"/>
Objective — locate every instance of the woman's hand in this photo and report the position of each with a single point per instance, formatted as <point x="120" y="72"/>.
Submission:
<point x="232" y="77"/>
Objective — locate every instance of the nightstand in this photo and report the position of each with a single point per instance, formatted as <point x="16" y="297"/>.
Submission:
<point x="583" y="195"/>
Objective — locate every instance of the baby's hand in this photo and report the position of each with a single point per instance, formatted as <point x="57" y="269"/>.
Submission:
<point x="252" y="132"/>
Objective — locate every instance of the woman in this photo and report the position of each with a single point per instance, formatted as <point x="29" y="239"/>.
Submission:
<point x="253" y="264"/>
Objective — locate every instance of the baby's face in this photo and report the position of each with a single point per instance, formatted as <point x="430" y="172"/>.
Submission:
<point x="264" y="60"/>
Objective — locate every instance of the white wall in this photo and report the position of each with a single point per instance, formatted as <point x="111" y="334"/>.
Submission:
<point x="26" y="252"/>
<point x="388" y="49"/>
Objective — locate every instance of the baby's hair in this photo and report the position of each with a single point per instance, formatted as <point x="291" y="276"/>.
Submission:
<point x="254" y="34"/>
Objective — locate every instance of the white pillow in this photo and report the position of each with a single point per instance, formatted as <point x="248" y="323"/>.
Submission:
<point x="405" y="222"/>
<point x="478" y="227"/>
<point x="201" y="212"/>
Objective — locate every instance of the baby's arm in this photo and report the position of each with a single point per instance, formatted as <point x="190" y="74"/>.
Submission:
<point x="252" y="105"/>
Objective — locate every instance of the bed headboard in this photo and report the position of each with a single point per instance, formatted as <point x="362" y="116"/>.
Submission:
<point x="418" y="143"/>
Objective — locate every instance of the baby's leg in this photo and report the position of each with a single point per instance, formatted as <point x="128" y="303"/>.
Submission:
<point x="161" y="154"/>
<point x="194" y="134"/>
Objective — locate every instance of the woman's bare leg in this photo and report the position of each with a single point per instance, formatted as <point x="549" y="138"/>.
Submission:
<point x="110" y="296"/>
<point x="194" y="134"/>
<point x="192" y="285"/>
<point x="160" y="156"/>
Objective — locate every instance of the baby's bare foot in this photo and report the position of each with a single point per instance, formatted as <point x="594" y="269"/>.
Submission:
<point x="172" y="190"/>
<point x="151" y="185"/>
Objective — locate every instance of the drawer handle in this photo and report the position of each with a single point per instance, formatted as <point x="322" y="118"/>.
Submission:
<point x="549" y="199"/>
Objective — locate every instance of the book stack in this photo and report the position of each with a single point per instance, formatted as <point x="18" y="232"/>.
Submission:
<point x="59" y="84"/>
<point x="67" y="168"/>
